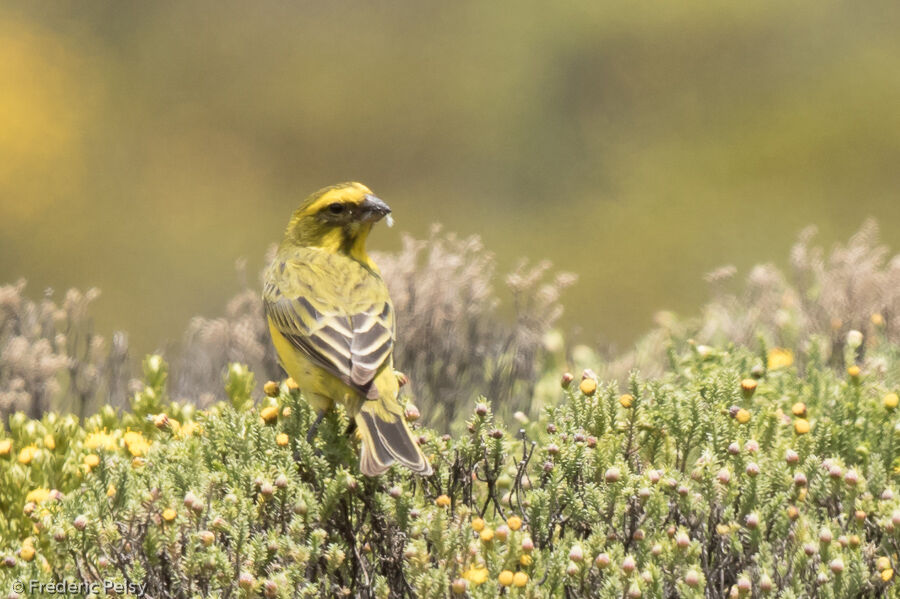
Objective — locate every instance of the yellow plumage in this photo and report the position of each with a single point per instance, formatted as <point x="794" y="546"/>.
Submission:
<point x="332" y="321"/>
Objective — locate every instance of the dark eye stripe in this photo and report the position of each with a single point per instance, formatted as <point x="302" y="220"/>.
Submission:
<point x="335" y="208"/>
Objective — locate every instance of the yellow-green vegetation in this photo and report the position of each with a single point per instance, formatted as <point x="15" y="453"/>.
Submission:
<point x="689" y="485"/>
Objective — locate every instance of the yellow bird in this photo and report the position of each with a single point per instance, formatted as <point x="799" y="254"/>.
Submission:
<point x="332" y="322"/>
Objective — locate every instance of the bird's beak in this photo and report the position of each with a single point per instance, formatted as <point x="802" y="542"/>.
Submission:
<point x="373" y="209"/>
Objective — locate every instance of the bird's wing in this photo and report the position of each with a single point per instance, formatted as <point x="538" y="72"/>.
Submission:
<point x="335" y="311"/>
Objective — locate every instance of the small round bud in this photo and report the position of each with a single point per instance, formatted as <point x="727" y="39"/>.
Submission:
<point x="895" y="518"/>
<point x="682" y="540"/>
<point x="246" y="581"/>
<point x="412" y="413"/>
<point x="576" y="554"/>
<point x="566" y="379"/>
<point x="692" y="578"/>
<point x="602" y="560"/>
<point x="748" y="387"/>
<point x="80" y="522"/>
<point x="723" y="476"/>
<point x="836" y="565"/>
<point x="765" y="583"/>
<point x="527" y="545"/>
<point x="612" y="475"/>
<point x="271" y="388"/>
<point x="751" y="520"/>
<point x="752" y="469"/>
<point x="887" y="495"/>
<point x="825" y="535"/>
<point x="502" y="533"/>
<point x="751" y="446"/>
<point x="656" y="550"/>
<point x="628" y="564"/>
<point x="459" y="586"/>
<point x="835" y="471"/>
<point x="800" y="479"/>
<point x="851" y="478"/>
<point x="810" y="549"/>
<point x="791" y="456"/>
<point x="481" y="409"/>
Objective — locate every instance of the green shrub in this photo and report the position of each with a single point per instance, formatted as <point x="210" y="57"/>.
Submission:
<point x="702" y="482"/>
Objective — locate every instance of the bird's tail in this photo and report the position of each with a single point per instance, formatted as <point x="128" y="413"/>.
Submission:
<point x="385" y="439"/>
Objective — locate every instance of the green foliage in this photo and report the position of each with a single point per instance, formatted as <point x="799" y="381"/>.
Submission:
<point x="698" y="483"/>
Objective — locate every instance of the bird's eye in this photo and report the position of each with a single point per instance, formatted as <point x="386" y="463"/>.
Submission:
<point x="336" y="208"/>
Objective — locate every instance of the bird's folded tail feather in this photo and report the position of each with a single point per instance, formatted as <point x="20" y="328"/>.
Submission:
<point x="385" y="439"/>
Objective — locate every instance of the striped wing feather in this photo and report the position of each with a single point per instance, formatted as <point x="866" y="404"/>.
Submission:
<point x="346" y="328"/>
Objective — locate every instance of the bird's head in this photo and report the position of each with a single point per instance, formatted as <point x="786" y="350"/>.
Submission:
<point x="338" y="218"/>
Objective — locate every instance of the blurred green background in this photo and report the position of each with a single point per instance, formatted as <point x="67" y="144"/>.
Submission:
<point x="144" y="147"/>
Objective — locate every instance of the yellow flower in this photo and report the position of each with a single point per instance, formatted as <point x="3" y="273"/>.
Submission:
<point x="111" y="491"/>
<point x="27" y="552"/>
<point x="27" y="454"/>
<point x="743" y="416"/>
<point x="291" y="384"/>
<point x="282" y="439"/>
<point x="5" y="447"/>
<point x="877" y="319"/>
<point x="442" y="501"/>
<point x="748" y="387"/>
<point x="37" y="496"/>
<point x="487" y="535"/>
<point x="136" y="443"/>
<point x="168" y="514"/>
<point x="798" y="409"/>
<point x="189" y="428"/>
<point x="271" y="389"/>
<point x="588" y="386"/>
<point x="476" y="574"/>
<point x="779" y="357"/>
<point x="269" y="414"/>
<point x="853" y="371"/>
<point x="890" y="401"/>
<point x="626" y="400"/>
<point x="514" y="522"/>
<point x="505" y="578"/>
<point x="886" y="575"/>
<point x="882" y="563"/>
<point x="520" y="579"/>
<point x="477" y="524"/>
<point x="49" y="442"/>
<point x="100" y="440"/>
<point x="801" y="426"/>
<point x="92" y="460"/>
<point x="525" y="559"/>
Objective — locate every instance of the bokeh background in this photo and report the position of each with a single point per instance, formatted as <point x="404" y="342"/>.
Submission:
<point x="145" y="147"/>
